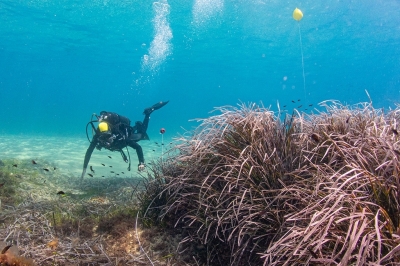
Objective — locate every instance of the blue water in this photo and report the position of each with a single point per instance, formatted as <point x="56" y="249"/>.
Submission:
<point x="61" y="61"/>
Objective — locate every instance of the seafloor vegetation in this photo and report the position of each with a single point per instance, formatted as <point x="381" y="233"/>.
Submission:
<point x="50" y="218"/>
<point x="247" y="187"/>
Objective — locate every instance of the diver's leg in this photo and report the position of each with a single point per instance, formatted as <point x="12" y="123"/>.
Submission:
<point x="145" y="124"/>
<point x="142" y="127"/>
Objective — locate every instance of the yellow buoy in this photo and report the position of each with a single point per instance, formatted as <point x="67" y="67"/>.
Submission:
<point x="297" y="14"/>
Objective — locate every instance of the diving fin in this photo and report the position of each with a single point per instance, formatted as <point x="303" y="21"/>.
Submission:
<point x="145" y="136"/>
<point x="156" y="106"/>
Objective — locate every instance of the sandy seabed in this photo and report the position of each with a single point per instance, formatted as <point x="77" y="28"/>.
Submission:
<point x="52" y="217"/>
<point x="67" y="154"/>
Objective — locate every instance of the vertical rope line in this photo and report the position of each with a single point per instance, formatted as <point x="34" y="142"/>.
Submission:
<point x="302" y="64"/>
<point x="162" y="148"/>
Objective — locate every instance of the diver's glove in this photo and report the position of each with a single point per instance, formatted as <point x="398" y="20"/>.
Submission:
<point x="141" y="167"/>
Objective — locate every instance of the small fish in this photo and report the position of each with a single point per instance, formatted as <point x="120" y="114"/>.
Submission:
<point x="102" y="176"/>
<point x="91" y="169"/>
<point x="395" y="131"/>
<point x="46" y="169"/>
<point x="298" y="100"/>
<point x="347" y="120"/>
<point x="110" y="166"/>
<point x="154" y="150"/>
<point x="60" y="192"/>
<point x="4" y="250"/>
<point x="109" y="156"/>
<point x="156" y="143"/>
<point x="55" y="168"/>
<point x="305" y="109"/>
<point x="90" y="175"/>
<point x="117" y="174"/>
<point x="15" y="165"/>
<point x="310" y="105"/>
<point x="123" y="173"/>
<point x="44" y="181"/>
<point x="2" y="184"/>
<point x="293" y="101"/>
<point x="299" y="106"/>
<point x="33" y="162"/>
<point x="112" y="171"/>
<point x="283" y="107"/>
<point x="103" y="164"/>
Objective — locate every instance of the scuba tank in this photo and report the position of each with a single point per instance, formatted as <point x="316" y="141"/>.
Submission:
<point x="114" y="119"/>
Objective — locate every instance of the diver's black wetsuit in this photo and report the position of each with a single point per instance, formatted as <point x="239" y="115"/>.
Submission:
<point x="121" y="135"/>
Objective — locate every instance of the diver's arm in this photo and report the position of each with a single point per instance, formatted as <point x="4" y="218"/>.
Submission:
<point x="88" y="154"/>
<point x="139" y="152"/>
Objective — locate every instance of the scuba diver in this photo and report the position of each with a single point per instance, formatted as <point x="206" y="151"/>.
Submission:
<point x="115" y="133"/>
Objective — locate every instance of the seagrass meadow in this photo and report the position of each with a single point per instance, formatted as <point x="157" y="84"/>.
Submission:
<point x="249" y="187"/>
